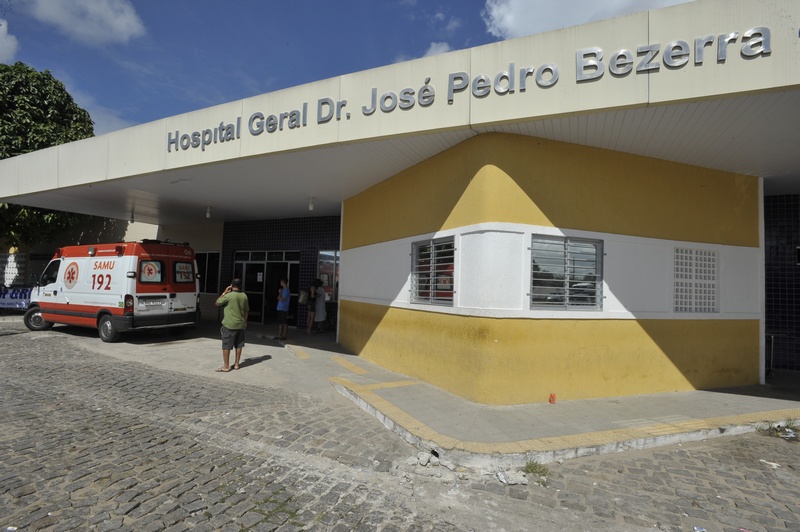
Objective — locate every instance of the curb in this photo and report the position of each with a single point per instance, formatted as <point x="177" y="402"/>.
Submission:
<point x="514" y="455"/>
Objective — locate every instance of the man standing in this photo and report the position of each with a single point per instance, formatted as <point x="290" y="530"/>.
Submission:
<point x="284" y="295"/>
<point x="235" y="308"/>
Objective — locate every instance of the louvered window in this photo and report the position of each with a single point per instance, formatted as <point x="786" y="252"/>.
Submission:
<point x="432" y="267"/>
<point x="566" y="273"/>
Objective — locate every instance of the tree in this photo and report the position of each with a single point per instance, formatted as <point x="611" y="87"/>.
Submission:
<point x="36" y="112"/>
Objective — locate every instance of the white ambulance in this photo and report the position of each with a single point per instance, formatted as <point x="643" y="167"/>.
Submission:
<point x="119" y="287"/>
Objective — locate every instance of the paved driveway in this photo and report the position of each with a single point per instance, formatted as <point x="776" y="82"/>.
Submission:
<point x="95" y="441"/>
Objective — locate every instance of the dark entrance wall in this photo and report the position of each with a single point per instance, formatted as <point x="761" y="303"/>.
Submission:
<point x="782" y="291"/>
<point x="309" y="236"/>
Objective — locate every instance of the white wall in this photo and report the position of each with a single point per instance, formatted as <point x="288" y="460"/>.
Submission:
<point x="493" y="268"/>
<point x="206" y="236"/>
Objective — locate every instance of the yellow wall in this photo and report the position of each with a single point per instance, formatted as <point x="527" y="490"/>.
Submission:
<point x="518" y="179"/>
<point x="512" y="178"/>
<point x="516" y="361"/>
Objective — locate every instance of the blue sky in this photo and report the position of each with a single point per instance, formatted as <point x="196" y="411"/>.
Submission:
<point x="129" y="62"/>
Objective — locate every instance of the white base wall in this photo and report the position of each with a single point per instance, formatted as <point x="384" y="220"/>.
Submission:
<point x="493" y="269"/>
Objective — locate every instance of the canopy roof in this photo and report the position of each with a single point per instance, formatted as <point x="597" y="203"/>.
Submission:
<point x="738" y="112"/>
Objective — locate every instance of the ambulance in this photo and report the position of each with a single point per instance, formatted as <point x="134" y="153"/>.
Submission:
<point x="115" y="288"/>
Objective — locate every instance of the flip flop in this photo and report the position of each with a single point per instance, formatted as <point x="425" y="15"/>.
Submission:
<point x="222" y="370"/>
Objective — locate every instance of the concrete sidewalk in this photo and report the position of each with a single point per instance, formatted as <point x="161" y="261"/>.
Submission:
<point x="434" y="419"/>
<point x="437" y="421"/>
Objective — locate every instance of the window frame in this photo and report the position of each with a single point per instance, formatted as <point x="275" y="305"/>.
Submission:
<point x="179" y="277"/>
<point x="328" y="265"/>
<point x="436" y="266"/>
<point x="203" y="259"/>
<point x="565" y="290"/>
<point x="45" y="278"/>
<point x="160" y="271"/>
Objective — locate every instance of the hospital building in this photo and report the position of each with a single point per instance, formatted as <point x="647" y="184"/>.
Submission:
<point x="604" y="210"/>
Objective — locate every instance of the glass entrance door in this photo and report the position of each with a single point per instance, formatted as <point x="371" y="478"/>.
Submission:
<point x="252" y="275"/>
<point x="253" y="286"/>
<point x="275" y="272"/>
<point x="261" y="273"/>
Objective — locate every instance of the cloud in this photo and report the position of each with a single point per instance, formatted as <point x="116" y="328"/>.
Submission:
<point x="105" y="119"/>
<point x="508" y="19"/>
<point x="437" y="48"/>
<point x="452" y="25"/>
<point x="9" y="45"/>
<point x="92" y="22"/>
<point x="443" y="22"/>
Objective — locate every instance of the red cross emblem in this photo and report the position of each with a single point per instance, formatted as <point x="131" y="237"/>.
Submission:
<point x="71" y="275"/>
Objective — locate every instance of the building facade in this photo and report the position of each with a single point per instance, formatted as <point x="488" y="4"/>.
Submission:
<point x="572" y="272"/>
<point x="588" y="212"/>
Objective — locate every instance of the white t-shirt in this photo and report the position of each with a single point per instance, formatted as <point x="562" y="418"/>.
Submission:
<point x="319" y="313"/>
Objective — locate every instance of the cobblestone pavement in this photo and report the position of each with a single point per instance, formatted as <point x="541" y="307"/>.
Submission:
<point x="95" y="443"/>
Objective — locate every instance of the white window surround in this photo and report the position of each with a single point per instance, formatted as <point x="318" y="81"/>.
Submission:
<point x="637" y="275"/>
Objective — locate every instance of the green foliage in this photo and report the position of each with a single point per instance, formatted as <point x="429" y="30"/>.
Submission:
<point x="29" y="225"/>
<point x="532" y="467"/>
<point x="36" y="112"/>
<point x="789" y="430"/>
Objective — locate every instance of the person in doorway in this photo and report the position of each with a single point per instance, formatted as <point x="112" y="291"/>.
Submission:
<point x="235" y="308"/>
<point x="311" y="307"/>
<point x="320" y="316"/>
<point x="284" y="296"/>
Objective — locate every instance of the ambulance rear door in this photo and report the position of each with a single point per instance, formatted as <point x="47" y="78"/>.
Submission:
<point x="152" y="299"/>
<point x="185" y="288"/>
<point x="166" y="287"/>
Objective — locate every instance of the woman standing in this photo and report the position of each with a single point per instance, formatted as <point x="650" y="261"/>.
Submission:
<point x="284" y="297"/>
<point x="320" y="316"/>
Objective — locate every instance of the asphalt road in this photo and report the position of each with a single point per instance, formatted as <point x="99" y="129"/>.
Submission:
<point x="92" y="442"/>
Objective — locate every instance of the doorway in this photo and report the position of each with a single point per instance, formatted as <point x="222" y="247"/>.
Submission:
<point x="261" y="273"/>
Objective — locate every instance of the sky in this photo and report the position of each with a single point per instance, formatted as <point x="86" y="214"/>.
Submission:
<point x="128" y="62"/>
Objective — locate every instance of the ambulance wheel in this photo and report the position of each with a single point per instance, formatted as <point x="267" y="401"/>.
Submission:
<point x="33" y="320"/>
<point x="106" y="330"/>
